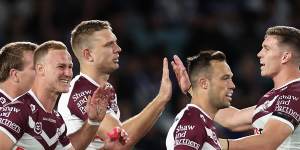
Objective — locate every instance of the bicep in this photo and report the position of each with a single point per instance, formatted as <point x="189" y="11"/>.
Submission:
<point x="5" y="143"/>
<point x="276" y="132"/>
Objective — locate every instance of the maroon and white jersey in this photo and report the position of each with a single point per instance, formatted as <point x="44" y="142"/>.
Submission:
<point x="4" y="98"/>
<point x="30" y="127"/>
<point x="193" y="129"/>
<point x="72" y="106"/>
<point x="282" y="104"/>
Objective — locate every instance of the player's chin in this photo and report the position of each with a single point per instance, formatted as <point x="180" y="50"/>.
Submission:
<point x="64" y="89"/>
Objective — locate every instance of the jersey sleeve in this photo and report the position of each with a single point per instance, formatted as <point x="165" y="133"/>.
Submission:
<point x="13" y="120"/>
<point x="287" y="109"/>
<point x="189" y="136"/>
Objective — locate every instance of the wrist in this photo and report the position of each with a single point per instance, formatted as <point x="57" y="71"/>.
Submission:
<point x="93" y="123"/>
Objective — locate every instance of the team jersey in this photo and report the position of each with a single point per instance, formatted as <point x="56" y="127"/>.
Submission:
<point x="30" y="127"/>
<point x="281" y="104"/>
<point x="72" y="106"/>
<point x="193" y="129"/>
<point x="4" y="98"/>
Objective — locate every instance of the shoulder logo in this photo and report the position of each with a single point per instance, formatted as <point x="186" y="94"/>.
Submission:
<point x="32" y="107"/>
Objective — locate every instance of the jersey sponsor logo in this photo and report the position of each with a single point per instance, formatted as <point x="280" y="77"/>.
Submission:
<point x="10" y="125"/>
<point x="187" y="142"/>
<point x="7" y="110"/>
<point x="288" y="110"/>
<point x="80" y="99"/>
<point x="76" y="96"/>
<point x="184" y="128"/>
<point x="288" y="97"/>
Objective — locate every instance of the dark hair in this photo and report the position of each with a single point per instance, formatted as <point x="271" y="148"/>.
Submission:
<point x="82" y="31"/>
<point x="44" y="48"/>
<point x="286" y="35"/>
<point x="202" y="62"/>
<point x="11" y="57"/>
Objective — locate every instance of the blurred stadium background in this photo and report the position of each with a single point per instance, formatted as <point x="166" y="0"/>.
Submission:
<point x="148" y="30"/>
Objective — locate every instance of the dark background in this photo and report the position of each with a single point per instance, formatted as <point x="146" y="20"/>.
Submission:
<point x="148" y="30"/>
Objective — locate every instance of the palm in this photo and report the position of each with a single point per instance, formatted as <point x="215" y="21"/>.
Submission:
<point x="181" y="74"/>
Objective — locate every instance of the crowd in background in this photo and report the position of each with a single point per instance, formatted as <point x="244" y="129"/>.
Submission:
<point x="148" y="30"/>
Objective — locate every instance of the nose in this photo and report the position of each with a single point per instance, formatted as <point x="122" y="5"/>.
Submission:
<point x="259" y="54"/>
<point x="232" y="85"/>
<point x="69" y="72"/>
<point x="117" y="49"/>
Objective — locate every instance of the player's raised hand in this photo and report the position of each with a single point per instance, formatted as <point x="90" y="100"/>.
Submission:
<point x="116" y="139"/>
<point x="181" y="74"/>
<point x="97" y="104"/>
<point x="165" y="90"/>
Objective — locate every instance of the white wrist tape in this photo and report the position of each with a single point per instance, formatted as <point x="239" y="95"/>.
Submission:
<point x="93" y="123"/>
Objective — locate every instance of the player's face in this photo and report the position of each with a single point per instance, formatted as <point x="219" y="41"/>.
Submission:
<point x="27" y="74"/>
<point x="58" y="70"/>
<point x="105" y="51"/>
<point x="270" y="56"/>
<point x="221" y="85"/>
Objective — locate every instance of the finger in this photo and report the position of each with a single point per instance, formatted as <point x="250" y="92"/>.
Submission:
<point x="165" y="68"/>
<point x="95" y="96"/>
<point x="177" y="60"/>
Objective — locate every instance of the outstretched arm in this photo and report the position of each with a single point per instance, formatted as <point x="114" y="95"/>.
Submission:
<point x="273" y="135"/>
<point x="235" y="119"/>
<point x="96" y="110"/>
<point x="139" y="125"/>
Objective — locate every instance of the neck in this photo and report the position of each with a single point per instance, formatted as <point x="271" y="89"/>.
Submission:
<point x="285" y="76"/>
<point x="10" y="89"/>
<point x="99" y="77"/>
<point x="204" y="104"/>
<point x="45" y="96"/>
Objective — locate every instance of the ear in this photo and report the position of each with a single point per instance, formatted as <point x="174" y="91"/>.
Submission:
<point x="287" y="55"/>
<point x="203" y="83"/>
<point x="86" y="53"/>
<point x="14" y="75"/>
<point x="40" y="69"/>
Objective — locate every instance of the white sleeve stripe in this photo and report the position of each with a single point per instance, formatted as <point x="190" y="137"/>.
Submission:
<point x="284" y="121"/>
<point x="8" y="134"/>
<point x="68" y="146"/>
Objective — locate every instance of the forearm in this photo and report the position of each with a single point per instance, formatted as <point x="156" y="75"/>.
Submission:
<point x="83" y="137"/>
<point x="252" y="142"/>
<point x="139" y="125"/>
<point x="235" y="119"/>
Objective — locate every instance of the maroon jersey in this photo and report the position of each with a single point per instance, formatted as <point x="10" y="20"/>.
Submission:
<point x="72" y="106"/>
<point x="29" y="126"/>
<point x="4" y="98"/>
<point x="193" y="129"/>
<point x="282" y="104"/>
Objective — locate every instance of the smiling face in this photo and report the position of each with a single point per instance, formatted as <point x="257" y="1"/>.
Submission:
<point x="105" y="51"/>
<point x="270" y="56"/>
<point x="57" y="70"/>
<point x="221" y="86"/>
